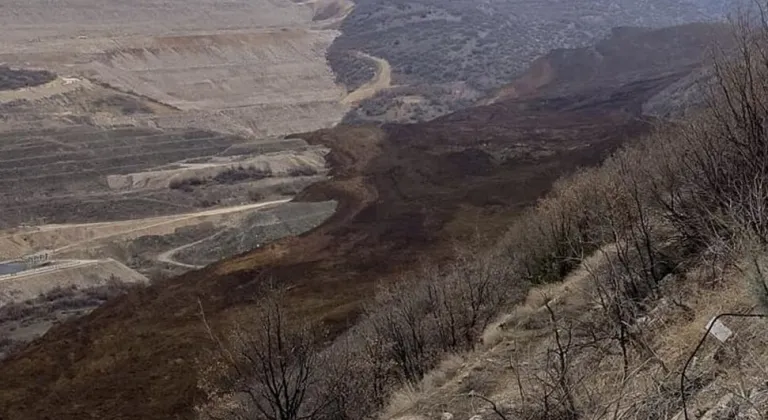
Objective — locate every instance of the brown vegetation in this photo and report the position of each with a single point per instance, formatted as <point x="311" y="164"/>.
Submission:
<point x="407" y="194"/>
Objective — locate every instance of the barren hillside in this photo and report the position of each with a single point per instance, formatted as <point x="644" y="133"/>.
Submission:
<point x="628" y="54"/>
<point x="136" y="110"/>
<point x="452" y="53"/>
<point x="405" y="194"/>
<point x="129" y="129"/>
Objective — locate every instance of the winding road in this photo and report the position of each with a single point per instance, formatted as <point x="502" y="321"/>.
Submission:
<point x="382" y="80"/>
<point x="167" y="256"/>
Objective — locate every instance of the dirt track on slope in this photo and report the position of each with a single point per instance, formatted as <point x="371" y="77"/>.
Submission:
<point x="167" y="256"/>
<point x="69" y="237"/>
<point x="381" y="81"/>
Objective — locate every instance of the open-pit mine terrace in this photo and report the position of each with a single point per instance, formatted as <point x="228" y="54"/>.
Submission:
<point x="255" y="67"/>
<point x="117" y="115"/>
<point x="143" y="139"/>
<point x="155" y="108"/>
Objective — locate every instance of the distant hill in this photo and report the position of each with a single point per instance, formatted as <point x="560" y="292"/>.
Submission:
<point x="450" y="51"/>
<point x="627" y="55"/>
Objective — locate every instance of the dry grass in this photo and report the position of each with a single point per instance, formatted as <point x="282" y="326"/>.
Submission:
<point x="515" y="348"/>
<point x="574" y="292"/>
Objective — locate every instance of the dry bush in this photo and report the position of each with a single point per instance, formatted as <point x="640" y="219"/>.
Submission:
<point x="274" y="371"/>
<point x="713" y="183"/>
<point x="357" y="374"/>
<point x="440" y="310"/>
<point x="404" y="334"/>
<point x="549" y="240"/>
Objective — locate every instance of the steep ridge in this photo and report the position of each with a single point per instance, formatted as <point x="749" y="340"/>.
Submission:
<point x="404" y="193"/>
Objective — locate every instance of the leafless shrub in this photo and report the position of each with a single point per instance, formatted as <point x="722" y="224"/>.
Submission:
<point x="276" y="369"/>
<point x="446" y="309"/>
<point x="718" y="172"/>
<point x="400" y="320"/>
<point x="358" y="374"/>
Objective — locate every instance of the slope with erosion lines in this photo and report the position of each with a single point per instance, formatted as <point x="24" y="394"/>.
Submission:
<point x="59" y="165"/>
<point x="68" y="237"/>
<point x="59" y="173"/>
<point x="405" y="193"/>
<point x="254" y="231"/>
<point x="255" y="66"/>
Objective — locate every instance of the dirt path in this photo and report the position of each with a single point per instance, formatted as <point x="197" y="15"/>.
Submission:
<point x="164" y="220"/>
<point x="382" y="80"/>
<point x="167" y="256"/>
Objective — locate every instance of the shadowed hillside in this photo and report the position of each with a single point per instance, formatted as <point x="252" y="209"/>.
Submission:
<point x="627" y="55"/>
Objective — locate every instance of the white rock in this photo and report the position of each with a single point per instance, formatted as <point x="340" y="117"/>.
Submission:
<point x="719" y="330"/>
<point x="446" y="416"/>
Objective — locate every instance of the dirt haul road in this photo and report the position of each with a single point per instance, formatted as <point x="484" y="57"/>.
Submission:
<point x="382" y="80"/>
<point x="167" y="256"/>
<point x="174" y="219"/>
<point x="69" y="237"/>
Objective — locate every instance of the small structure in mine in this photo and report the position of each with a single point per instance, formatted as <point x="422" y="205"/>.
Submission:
<point x="37" y="259"/>
<point x="27" y="262"/>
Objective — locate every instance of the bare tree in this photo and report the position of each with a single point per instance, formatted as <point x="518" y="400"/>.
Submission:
<point x="400" y="321"/>
<point x="276" y="369"/>
<point x="357" y="373"/>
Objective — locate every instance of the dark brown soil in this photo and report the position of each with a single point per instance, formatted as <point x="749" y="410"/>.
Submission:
<point x="405" y="193"/>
